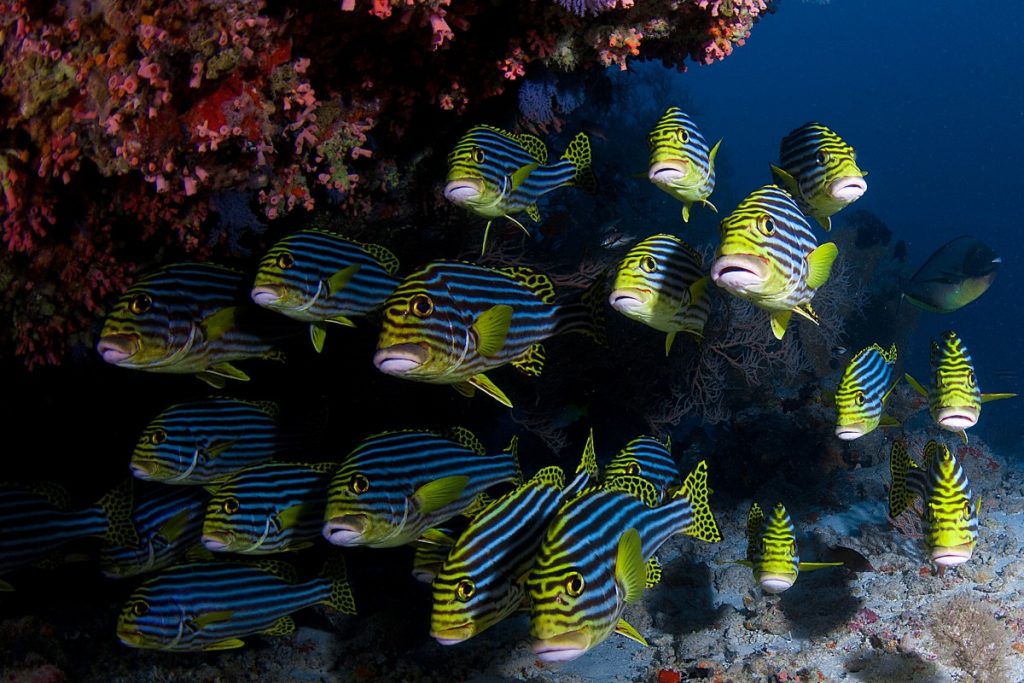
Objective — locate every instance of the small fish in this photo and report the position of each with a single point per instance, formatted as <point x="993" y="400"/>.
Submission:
<point x="863" y="389"/>
<point x="450" y="322"/>
<point x="394" y="486"/>
<point x="661" y="283"/>
<point x="772" y="551"/>
<point x="199" y="442"/>
<point x="213" y="605"/>
<point x="681" y="163"/>
<point x="647" y="457"/>
<point x="769" y="256"/>
<point x="494" y="173"/>
<point x="954" y="397"/>
<point x="318" y="277"/>
<point x="950" y="512"/>
<point x="267" y="508"/>
<point x="595" y="559"/>
<point x="481" y="581"/>
<point x="957" y="273"/>
<point x="190" y="318"/>
<point x="820" y="170"/>
<point x="169" y="521"/>
<point x="36" y="520"/>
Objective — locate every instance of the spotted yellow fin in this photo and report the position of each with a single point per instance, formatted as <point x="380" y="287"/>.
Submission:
<point x="652" y="573"/>
<point x="900" y="494"/>
<point x="534" y="213"/>
<point x="629" y="566"/>
<point x="819" y="264"/>
<point x="436" y="494"/>
<point x="485" y="385"/>
<point x="695" y="489"/>
<point x="284" y="626"/>
<point x="491" y="329"/>
<point x="533" y="145"/>
<point x="624" y="628"/>
<point x="538" y="283"/>
<point x="383" y="255"/>
<point x="341" y="598"/>
<point x="755" y="522"/>
<point x="531" y="362"/>
<point x="340" y="280"/>
<point x="465" y="437"/>
<point x="116" y="504"/>
<point x="578" y="152"/>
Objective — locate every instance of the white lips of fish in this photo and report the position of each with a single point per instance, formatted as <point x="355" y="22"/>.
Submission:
<point x="740" y="272"/>
<point x="463" y="191"/>
<point x="957" y="419"/>
<point x="848" y="188"/>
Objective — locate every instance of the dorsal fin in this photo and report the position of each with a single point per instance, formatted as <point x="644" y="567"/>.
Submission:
<point x="533" y="145"/>
<point x="538" y="283"/>
<point x="638" y="487"/>
<point x="388" y="260"/>
<point x="464" y="437"/>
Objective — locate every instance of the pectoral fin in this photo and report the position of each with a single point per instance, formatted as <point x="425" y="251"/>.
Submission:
<point x="491" y="329"/>
<point x="811" y="566"/>
<point x="205" y="620"/>
<point x="216" y="325"/>
<point x="629" y="566"/>
<point x="669" y="339"/>
<point x="686" y="211"/>
<point x="779" y="321"/>
<point x="787" y="180"/>
<point x="916" y="385"/>
<point x="290" y="517"/>
<point x="340" y="280"/>
<point x="985" y="398"/>
<point x="219" y="448"/>
<point x="226" y="370"/>
<point x="214" y="380"/>
<point x="318" y="333"/>
<point x="175" y="526"/>
<point x="889" y="421"/>
<point x="441" y="492"/>
<point x="819" y="264"/>
<point x="624" y="628"/>
<point x="521" y="174"/>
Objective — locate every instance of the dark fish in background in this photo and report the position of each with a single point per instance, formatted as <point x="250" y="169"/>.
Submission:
<point x="955" y="275"/>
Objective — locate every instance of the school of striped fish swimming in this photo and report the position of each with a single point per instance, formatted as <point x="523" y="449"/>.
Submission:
<point x="221" y="493"/>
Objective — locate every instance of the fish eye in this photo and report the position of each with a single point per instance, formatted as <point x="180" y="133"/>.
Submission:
<point x="158" y="437"/>
<point x="477" y="155"/>
<point x="821" y="158"/>
<point x="574" y="584"/>
<point x="633" y="468"/>
<point x="140" y="303"/>
<point x="421" y="306"/>
<point x="230" y="506"/>
<point x="648" y="264"/>
<point x="682" y="135"/>
<point x="859" y="398"/>
<point x="358" y="484"/>
<point x="766" y="224"/>
<point x="971" y="379"/>
<point x="285" y="261"/>
<point x="140" y="608"/>
<point x="465" y="590"/>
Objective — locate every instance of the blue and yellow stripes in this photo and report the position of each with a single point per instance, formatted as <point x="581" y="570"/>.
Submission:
<point x="649" y="458"/>
<point x="681" y="163"/>
<point x="860" y="398"/>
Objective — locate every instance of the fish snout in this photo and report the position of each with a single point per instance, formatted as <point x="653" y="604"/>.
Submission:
<point x="217" y="541"/>
<point x="848" y="188"/>
<point x="454" y="634"/>
<point x="953" y="555"/>
<point x="141" y="470"/>
<point x="849" y="432"/>
<point x="776" y="583"/>
<point x="463" y="190"/>
<point x="740" y="272"/>
<point x="400" y="359"/>
<point x="564" y="647"/>
<point x="345" y="529"/>
<point x="117" y="348"/>
<point x="629" y="299"/>
<point x="266" y="295"/>
<point x="957" y="418"/>
<point x="669" y="173"/>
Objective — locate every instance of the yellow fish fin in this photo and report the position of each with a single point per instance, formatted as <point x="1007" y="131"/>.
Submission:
<point x="532" y="360"/>
<point x="491" y="329"/>
<point x="215" y="381"/>
<point x="900" y="495"/>
<point x="339" y="280"/>
<point x="625" y="629"/>
<point x="711" y="157"/>
<point x="318" y="333"/>
<point x="220" y="448"/>
<point x="290" y="517"/>
<point x="707" y="203"/>
<point x="534" y="213"/>
<point x="437" y="537"/>
<point x="819" y="264"/>
<point x="779" y="320"/>
<point x="806" y="311"/>
<point x="811" y="566"/>
<point x="480" y="502"/>
<point x="465" y="388"/>
<point x="825" y="222"/>
<point x="695" y="488"/>
<point x="963" y="435"/>
<point x="340" y="320"/>
<point x="686" y="211"/>
<point x="787" y="180"/>
<point x="284" y="626"/>
<point x="669" y="338"/>
<point x="465" y="437"/>
<point x="652" y="573"/>
<point x="698" y="288"/>
<point x="889" y="421"/>
<point x="386" y="258"/>
<point x="485" y="385"/>
<point x="434" y="495"/>
<point x="985" y="398"/>
<point x="216" y="325"/>
<point x="227" y="370"/>
<point x="755" y="520"/>
<point x="218" y="617"/>
<point x="229" y="644"/>
<point x="629" y="566"/>
<point x="534" y="146"/>
<point x="538" y="283"/>
<point x="916" y="385"/>
<point x="521" y="174"/>
<point x="175" y="526"/>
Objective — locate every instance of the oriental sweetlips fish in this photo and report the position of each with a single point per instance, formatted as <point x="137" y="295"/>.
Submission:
<point x="267" y="508"/>
<point x="593" y="560"/>
<point x="649" y="458"/>
<point x="318" y="277"/>
<point x="954" y="397"/>
<point x="190" y="318"/>
<point x="681" y="163"/>
<point x="772" y="551"/>
<point x="949" y="513"/>
<point x="213" y="605"/>
<point x="202" y="441"/>
<point x="394" y="486"/>
<point x="863" y="389"/>
<point x="957" y="273"/>
<point x="494" y="173"/>
<point x="450" y="322"/>
<point x="769" y="256"/>
<point x="35" y="520"/>
<point x="169" y="521"/>
<point x="482" y="580"/>
<point x="820" y="170"/>
<point x="661" y="283"/>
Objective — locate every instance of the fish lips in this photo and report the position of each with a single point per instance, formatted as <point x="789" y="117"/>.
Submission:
<point x="131" y="637"/>
<point x="849" y="432"/>
<point x="564" y="647"/>
<point x="454" y="635"/>
<point x="669" y="173"/>
<point x="957" y="418"/>
<point x="951" y="556"/>
<point x="848" y="188"/>
<point x="776" y="583"/>
<point x="740" y="272"/>
<point x="266" y="295"/>
<point x="345" y="529"/>
<point x="141" y="470"/>
<point x="400" y="359"/>
<point x="629" y="299"/>
<point x="463" y="190"/>
<point x="217" y="542"/>
<point x="118" y="348"/>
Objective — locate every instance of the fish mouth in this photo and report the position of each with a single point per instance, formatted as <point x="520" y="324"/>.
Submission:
<point x="851" y="431"/>
<point x="668" y="172"/>
<point x="848" y="188"/>
<point x="776" y="583"/>
<point x="217" y="541"/>
<point x="117" y="348"/>
<point x="453" y="635"/>
<point x="953" y="555"/>
<point x="463" y="190"/>
<point x="564" y="647"/>
<point x="266" y="295"/>
<point x="957" y="419"/>
<point x="400" y="359"/>
<point x="629" y="299"/>
<point x="140" y="470"/>
<point x="345" y="529"/>
<point x="740" y="272"/>
<point x="131" y="638"/>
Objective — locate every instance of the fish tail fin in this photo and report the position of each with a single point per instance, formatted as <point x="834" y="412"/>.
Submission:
<point x="578" y="152"/>
<point x="340" y="598"/>
<point x="116" y="507"/>
<point x="900" y="464"/>
<point x="695" y="489"/>
<point x="585" y="313"/>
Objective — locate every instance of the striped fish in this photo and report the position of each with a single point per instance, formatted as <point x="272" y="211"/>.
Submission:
<point x="394" y="486"/>
<point x="201" y="441"/>
<point x="318" y="277"/>
<point x="267" y="508"/>
<point x="954" y="398"/>
<point x="863" y="389"/>
<point x="481" y="581"/>
<point x="661" y="283"/>
<point x="820" y="170"/>
<point x="494" y="173"/>
<point x="593" y="559"/>
<point x="36" y="520"/>
<point x="768" y="256"/>
<point x="190" y="318"/>
<point x="169" y="521"/>
<point x="681" y="163"/>
<point x="949" y="513"/>
<point x="450" y="322"/>
<point x="213" y="605"/>
<point x="772" y="552"/>
<point x="647" y="457"/>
